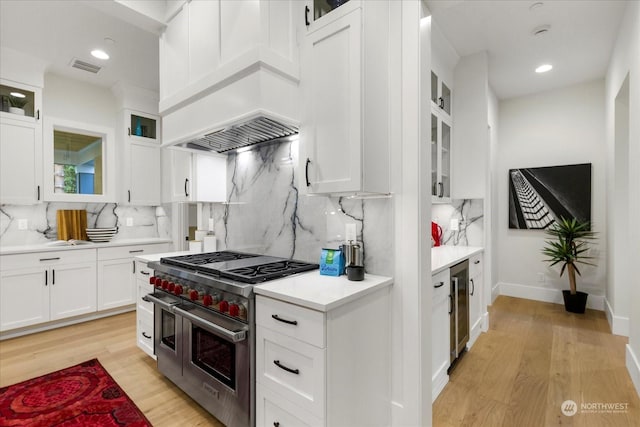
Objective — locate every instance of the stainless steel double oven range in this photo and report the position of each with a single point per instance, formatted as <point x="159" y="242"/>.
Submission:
<point x="204" y="324"/>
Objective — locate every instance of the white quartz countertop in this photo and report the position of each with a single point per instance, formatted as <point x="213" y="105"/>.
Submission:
<point x="156" y="257"/>
<point x="445" y="256"/>
<point x="58" y="245"/>
<point x="323" y="293"/>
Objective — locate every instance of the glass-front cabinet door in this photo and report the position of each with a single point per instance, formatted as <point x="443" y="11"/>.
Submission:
<point x="142" y="127"/>
<point x="319" y="13"/>
<point x="19" y="100"/>
<point x="440" y="157"/>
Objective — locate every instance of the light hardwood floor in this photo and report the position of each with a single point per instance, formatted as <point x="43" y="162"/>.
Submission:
<point x="534" y="357"/>
<point x="112" y="341"/>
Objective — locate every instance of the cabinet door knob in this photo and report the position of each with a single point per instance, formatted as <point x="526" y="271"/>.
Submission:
<point x="439" y="285"/>
<point x="306" y="172"/>
<point x="38" y="193"/>
<point x="306" y="16"/>
<point x="450" y="304"/>
<point x="144" y="334"/>
<point x="441" y="103"/>
<point x="186" y="184"/>
<point x="473" y="288"/>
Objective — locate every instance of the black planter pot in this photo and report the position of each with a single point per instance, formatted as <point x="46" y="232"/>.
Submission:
<point x="575" y="303"/>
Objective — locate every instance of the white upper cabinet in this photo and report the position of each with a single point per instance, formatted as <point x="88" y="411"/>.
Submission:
<point x="141" y="159"/>
<point x="21" y="147"/>
<point x="344" y="146"/>
<point x="194" y="177"/>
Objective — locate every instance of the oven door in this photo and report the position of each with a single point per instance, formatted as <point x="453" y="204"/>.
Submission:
<point x="217" y="364"/>
<point x="168" y="340"/>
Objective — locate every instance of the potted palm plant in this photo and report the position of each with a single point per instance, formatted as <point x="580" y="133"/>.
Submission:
<point x="569" y="246"/>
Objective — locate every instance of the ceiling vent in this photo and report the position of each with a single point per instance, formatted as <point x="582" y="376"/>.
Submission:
<point x="85" y="66"/>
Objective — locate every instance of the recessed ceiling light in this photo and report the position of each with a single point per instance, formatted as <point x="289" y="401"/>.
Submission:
<point x="17" y="94"/>
<point x="100" y="54"/>
<point x="544" y="68"/>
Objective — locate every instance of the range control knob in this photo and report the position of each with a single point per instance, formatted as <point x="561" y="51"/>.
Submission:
<point x="165" y="284"/>
<point x="207" y="300"/>
<point x="178" y="290"/>
<point x="224" y="306"/>
<point x="171" y="286"/>
<point x="152" y="280"/>
<point x="234" y="310"/>
<point x="193" y="295"/>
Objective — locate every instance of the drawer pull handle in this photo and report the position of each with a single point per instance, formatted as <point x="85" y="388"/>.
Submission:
<point x="146" y="336"/>
<point x="137" y="251"/>
<point x="146" y="273"/>
<point x="50" y="259"/>
<point x="441" y="284"/>
<point x="473" y="288"/>
<point x="476" y="261"/>
<point x="281" y="366"/>
<point x="289" y="322"/>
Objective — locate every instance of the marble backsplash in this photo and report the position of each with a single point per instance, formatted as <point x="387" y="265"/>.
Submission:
<point x="148" y="221"/>
<point x="470" y="216"/>
<point x="268" y="213"/>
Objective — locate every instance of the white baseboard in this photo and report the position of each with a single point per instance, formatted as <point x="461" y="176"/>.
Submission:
<point x="475" y="332"/>
<point x="633" y="366"/>
<point x="495" y="291"/>
<point x="619" y="325"/>
<point x="485" y="321"/>
<point x="595" y="302"/>
<point x="439" y="380"/>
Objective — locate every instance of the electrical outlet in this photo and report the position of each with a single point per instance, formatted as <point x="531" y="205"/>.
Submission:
<point x="129" y="222"/>
<point x="350" y="232"/>
<point x="23" y="224"/>
<point x="454" y="224"/>
<point x="541" y="277"/>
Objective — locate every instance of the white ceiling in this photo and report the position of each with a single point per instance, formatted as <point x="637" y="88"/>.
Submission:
<point x="578" y="45"/>
<point x="58" y="31"/>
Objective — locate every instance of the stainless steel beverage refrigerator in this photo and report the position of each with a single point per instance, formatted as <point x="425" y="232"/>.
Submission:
<point x="459" y="312"/>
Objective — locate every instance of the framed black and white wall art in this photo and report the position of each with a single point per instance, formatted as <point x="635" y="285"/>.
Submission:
<point x="540" y="196"/>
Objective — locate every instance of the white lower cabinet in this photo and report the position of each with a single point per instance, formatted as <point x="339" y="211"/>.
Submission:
<point x="144" y="309"/>
<point x="318" y="368"/>
<point x="440" y="332"/>
<point x="476" y="290"/>
<point x="43" y="286"/>
<point x="116" y="274"/>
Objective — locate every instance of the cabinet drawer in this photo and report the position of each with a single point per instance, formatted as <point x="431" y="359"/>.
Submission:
<point x="292" y="368"/>
<point x="475" y="265"/>
<point x="47" y="259"/>
<point x="441" y="286"/>
<point x="145" y="334"/>
<point x="118" y="252"/>
<point x="274" y="410"/>
<point x="143" y="290"/>
<point x="143" y="272"/>
<point x="291" y="320"/>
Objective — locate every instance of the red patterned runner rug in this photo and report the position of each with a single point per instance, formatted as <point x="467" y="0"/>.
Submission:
<point x="82" y="395"/>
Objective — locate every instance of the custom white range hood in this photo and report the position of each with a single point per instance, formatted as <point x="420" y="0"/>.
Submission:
<point x="229" y="74"/>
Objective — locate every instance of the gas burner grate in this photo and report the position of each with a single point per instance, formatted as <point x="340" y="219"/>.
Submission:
<point x="272" y="270"/>
<point x="205" y="258"/>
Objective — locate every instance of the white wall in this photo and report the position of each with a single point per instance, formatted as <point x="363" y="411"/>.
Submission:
<point x="558" y="127"/>
<point x="491" y="202"/>
<point x="625" y="61"/>
<point x="69" y="99"/>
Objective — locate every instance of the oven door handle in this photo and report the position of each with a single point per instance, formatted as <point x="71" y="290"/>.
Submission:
<point x="158" y="301"/>
<point x="212" y="327"/>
